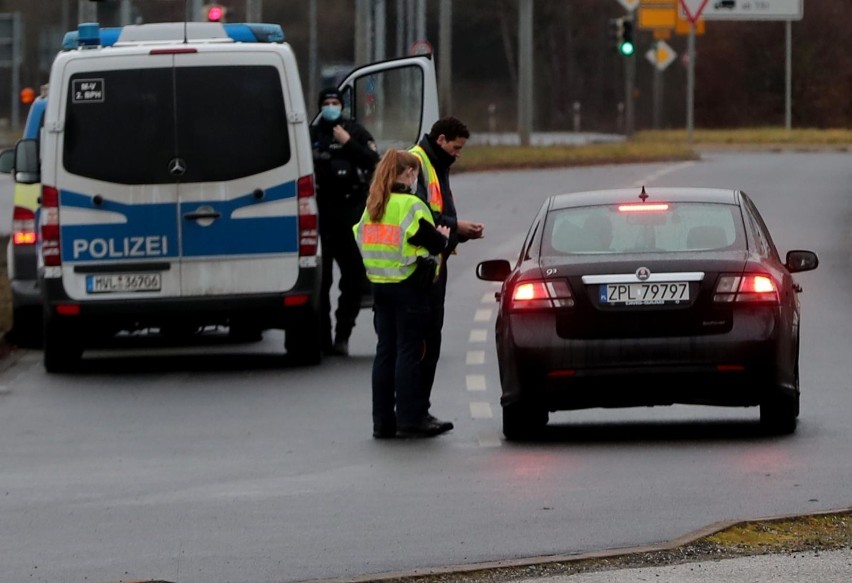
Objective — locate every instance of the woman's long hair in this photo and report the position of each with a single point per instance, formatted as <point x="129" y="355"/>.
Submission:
<point x="392" y="164"/>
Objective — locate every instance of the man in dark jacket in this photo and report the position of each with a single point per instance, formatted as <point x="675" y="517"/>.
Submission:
<point x="437" y="151"/>
<point x="344" y="157"/>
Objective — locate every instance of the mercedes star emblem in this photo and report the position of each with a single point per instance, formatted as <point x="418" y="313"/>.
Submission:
<point x="177" y="167"/>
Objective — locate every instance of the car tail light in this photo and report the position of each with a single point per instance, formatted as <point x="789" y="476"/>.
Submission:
<point x="749" y="287"/>
<point x="308" y="232"/>
<point x="23" y="226"/>
<point x="542" y="294"/>
<point x="50" y="250"/>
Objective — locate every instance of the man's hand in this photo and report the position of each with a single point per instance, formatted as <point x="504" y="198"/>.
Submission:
<point x="470" y="230"/>
<point x="444" y="230"/>
<point x="341" y="136"/>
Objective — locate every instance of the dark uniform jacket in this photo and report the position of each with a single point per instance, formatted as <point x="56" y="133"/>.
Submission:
<point x="343" y="171"/>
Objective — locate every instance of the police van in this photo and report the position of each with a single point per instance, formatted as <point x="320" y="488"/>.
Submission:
<point x="177" y="183"/>
<point x="21" y="249"/>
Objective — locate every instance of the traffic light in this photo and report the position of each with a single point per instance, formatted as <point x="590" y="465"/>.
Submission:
<point x="627" y="48"/>
<point x="214" y="13"/>
<point x="621" y="35"/>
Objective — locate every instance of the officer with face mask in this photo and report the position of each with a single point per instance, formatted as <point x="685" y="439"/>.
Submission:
<point x="345" y="155"/>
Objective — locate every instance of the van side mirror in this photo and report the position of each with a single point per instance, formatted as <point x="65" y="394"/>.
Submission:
<point x="27" y="166"/>
<point x="7" y="161"/>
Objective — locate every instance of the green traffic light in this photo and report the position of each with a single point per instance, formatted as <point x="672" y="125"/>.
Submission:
<point x="626" y="48"/>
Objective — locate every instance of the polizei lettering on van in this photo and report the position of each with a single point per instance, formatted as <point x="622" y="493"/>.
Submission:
<point x="121" y="248"/>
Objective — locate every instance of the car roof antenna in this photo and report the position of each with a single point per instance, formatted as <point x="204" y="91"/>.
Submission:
<point x="643" y="195"/>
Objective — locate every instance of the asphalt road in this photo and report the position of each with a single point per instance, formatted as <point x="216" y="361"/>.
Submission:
<point x="219" y="462"/>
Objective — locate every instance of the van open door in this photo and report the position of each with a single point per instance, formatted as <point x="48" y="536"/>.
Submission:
<point x="396" y="100"/>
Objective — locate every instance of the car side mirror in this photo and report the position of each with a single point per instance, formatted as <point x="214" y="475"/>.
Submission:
<point x="7" y="161"/>
<point x="798" y="260"/>
<point x="27" y="166"/>
<point x="493" y="270"/>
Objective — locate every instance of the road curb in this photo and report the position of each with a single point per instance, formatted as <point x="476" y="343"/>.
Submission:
<point x="672" y="544"/>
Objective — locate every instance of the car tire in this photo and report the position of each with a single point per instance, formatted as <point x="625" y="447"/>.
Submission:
<point x="523" y="421"/>
<point x="778" y="413"/>
<point x="302" y="342"/>
<point x="63" y="348"/>
<point x="27" y="327"/>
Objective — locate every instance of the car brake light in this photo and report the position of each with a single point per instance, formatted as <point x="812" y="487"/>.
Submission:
<point x="542" y="294"/>
<point x="749" y="287"/>
<point x="23" y="226"/>
<point x="308" y="232"/>
<point x="50" y="250"/>
<point x="643" y="208"/>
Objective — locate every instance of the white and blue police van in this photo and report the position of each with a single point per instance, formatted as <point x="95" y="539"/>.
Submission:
<point x="177" y="186"/>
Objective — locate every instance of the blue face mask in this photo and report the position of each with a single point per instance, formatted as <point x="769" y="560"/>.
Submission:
<point x="331" y="112"/>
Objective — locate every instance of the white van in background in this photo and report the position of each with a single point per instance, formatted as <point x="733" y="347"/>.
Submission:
<point x="177" y="181"/>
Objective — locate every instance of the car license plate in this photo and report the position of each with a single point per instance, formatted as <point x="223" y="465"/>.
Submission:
<point x="123" y="282"/>
<point x="644" y="294"/>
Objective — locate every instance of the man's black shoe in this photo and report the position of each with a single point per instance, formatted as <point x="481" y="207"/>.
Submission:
<point x="427" y="427"/>
<point x="340" y="348"/>
<point x="380" y="432"/>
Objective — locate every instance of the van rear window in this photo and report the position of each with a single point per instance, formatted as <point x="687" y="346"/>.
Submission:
<point x="127" y="126"/>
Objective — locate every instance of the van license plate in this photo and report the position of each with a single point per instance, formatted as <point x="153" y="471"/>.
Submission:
<point x="123" y="282"/>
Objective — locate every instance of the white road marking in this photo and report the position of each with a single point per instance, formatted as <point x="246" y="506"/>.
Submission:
<point x="490" y="439"/>
<point x="662" y="172"/>
<point x="475" y="382"/>
<point x="483" y="315"/>
<point x="478" y="336"/>
<point x="475" y="357"/>
<point x="481" y="410"/>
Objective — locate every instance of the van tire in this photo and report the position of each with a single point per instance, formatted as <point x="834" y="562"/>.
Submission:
<point x="302" y="342"/>
<point x="62" y="348"/>
<point x="27" y="328"/>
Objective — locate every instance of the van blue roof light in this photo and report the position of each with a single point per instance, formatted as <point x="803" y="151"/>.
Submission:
<point x="88" y="34"/>
<point x="107" y="37"/>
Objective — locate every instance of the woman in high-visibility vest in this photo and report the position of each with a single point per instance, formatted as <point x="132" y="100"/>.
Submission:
<point x="399" y="244"/>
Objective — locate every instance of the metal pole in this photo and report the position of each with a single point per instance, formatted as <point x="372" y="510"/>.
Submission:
<point x="361" y="31"/>
<point x="254" y="10"/>
<point x="409" y="24"/>
<point x="87" y="11"/>
<point x="630" y="78"/>
<point x="380" y="19"/>
<point x="420" y="31"/>
<point x="525" y="70"/>
<point x="658" y="95"/>
<point x="690" y="85"/>
<point x="313" y="64"/>
<point x="400" y="28"/>
<point x="445" y="59"/>
<point x="195" y="10"/>
<point x="125" y="13"/>
<point x="17" y="40"/>
<point x="788" y="113"/>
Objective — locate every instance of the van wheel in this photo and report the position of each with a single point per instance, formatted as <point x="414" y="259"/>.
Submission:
<point x="62" y="348"/>
<point x="302" y="342"/>
<point x="27" y="327"/>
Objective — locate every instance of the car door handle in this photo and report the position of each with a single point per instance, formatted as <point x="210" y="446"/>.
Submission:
<point x="194" y="216"/>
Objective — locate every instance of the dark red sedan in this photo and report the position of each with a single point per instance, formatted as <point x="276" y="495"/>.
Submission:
<point x="626" y="298"/>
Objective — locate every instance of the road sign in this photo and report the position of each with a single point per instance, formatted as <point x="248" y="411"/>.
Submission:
<point x="661" y="56"/>
<point x="652" y="18"/>
<point x="754" y="10"/>
<point x="693" y="8"/>
<point x="629" y="5"/>
<point x="682" y="27"/>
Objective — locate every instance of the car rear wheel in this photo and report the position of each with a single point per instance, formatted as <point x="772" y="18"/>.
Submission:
<point x="778" y="413"/>
<point x="523" y="420"/>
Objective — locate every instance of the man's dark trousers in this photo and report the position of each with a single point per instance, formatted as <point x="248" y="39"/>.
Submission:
<point x="437" y="296"/>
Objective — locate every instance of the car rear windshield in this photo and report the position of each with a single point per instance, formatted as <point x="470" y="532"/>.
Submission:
<point x="127" y="126"/>
<point x="677" y="227"/>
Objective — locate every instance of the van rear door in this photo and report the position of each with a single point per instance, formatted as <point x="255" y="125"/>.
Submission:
<point x="237" y="194"/>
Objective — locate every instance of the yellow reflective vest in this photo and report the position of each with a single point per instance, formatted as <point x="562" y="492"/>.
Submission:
<point x="387" y="254"/>
<point x="433" y="187"/>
